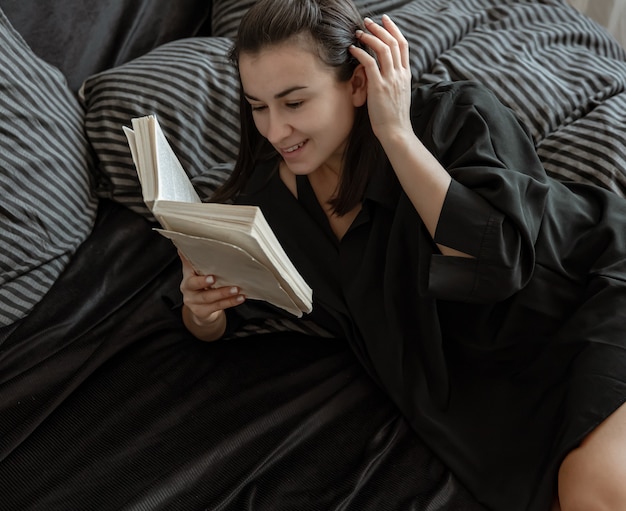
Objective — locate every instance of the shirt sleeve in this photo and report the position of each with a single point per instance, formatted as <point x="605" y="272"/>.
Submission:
<point x="495" y="204"/>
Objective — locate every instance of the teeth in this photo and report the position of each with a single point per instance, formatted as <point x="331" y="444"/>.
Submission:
<point x="292" y="149"/>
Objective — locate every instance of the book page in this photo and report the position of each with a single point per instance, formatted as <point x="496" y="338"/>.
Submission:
<point x="238" y="216"/>
<point x="233" y="266"/>
<point x="173" y="184"/>
<point x="146" y="176"/>
<point x="160" y="173"/>
<point x="253" y="235"/>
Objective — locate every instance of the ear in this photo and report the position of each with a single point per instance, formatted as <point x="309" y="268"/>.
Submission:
<point x="359" y="86"/>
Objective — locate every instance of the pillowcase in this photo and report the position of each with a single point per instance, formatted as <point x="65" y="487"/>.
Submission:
<point x="47" y="207"/>
<point x="192" y="88"/>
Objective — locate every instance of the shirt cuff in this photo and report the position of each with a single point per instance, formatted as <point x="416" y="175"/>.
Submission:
<point x="467" y="221"/>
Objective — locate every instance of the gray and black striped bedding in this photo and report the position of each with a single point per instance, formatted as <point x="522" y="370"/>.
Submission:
<point x="47" y="205"/>
<point x="560" y="72"/>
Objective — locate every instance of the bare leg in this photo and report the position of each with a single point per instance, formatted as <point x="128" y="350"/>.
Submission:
<point x="593" y="476"/>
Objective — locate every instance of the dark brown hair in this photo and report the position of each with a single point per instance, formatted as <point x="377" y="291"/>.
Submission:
<point x="331" y="26"/>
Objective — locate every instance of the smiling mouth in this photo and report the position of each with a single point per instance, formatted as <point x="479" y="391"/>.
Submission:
<point x="294" y="148"/>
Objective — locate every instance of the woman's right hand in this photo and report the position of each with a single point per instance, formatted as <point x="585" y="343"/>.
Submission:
<point x="388" y="78"/>
<point x="203" y="304"/>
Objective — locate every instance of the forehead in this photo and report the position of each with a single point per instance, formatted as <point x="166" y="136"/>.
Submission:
<point x="276" y="66"/>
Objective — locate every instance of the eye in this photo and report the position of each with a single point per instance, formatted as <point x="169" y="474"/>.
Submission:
<point x="294" y="104"/>
<point x="258" y="108"/>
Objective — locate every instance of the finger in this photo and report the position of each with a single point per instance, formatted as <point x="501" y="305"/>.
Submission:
<point x="193" y="282"/>
<point x="381" y="51"/>
<point x="231" y="301"/>
<point x="205" y="303"/>
<point x="403" y="44"/>
<point x="219" y="295"/>
<point x="369" y="63"/>
<point x="384" y="45"/>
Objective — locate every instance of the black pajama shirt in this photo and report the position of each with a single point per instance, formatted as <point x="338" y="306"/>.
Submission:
<point x="501" y="362"/>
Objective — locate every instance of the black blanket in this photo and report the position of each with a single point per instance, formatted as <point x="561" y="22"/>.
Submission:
<point x="124" y="410"/>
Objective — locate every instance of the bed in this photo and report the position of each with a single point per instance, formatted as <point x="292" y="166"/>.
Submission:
<point x="106" y="402"/>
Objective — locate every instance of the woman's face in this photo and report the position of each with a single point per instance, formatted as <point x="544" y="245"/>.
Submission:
<point x="299" y="105"/>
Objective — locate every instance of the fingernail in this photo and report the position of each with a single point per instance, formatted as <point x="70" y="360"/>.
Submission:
<point x="233" y="291"/>
<point x="368" y="20"/>
<point x="359" y="33"/>
<point x="210" y="280"/>
<point x="239" y="299"/>
<point x="386" y="16"/>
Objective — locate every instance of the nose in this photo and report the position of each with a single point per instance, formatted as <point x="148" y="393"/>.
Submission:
<point x="278" y="128"/>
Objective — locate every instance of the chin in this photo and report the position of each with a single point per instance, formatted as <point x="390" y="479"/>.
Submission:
<point x="299" y="170"/>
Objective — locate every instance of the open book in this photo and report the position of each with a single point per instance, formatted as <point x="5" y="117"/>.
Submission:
<point x="235" y="243"/>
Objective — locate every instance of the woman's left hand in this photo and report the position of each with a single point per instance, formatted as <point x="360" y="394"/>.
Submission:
<point x="388" y="77"/>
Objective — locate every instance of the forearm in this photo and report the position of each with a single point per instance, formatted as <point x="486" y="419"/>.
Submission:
<point x="422" y="178"/>
<point x="205" y="331"/>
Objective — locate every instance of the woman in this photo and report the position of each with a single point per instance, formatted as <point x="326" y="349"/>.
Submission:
<point x="487" y="299"/>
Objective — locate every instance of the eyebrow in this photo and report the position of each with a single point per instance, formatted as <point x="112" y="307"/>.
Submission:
<point x="282" y="94"/>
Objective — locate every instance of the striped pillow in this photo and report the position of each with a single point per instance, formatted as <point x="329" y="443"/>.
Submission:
<point x="562" y="74"/>
<point x="193" y="90"/>
<point x="47" y="207"/>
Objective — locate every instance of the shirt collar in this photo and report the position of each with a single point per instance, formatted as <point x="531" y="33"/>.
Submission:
<point x="383" y="187"/>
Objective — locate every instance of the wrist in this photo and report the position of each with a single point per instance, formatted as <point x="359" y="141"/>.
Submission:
<point x="394" y="140"/>
<point x="209" y="329"/>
